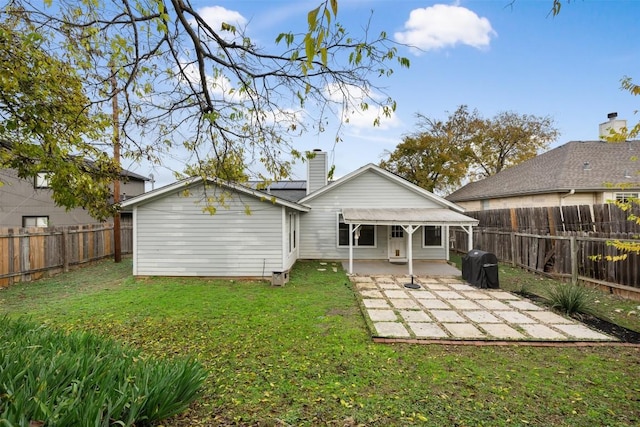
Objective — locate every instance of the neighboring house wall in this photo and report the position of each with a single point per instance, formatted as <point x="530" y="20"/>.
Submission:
<point x="173" y="237"/>
<point x="19" y="199"/>
<point x="370" y="190"/>
<point x="533" y="201"/>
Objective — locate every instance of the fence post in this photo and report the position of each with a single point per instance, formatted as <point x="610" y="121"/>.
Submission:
<point x="574" y="260"/>
<point x="65" y="249"/>
<point x="512" y="236"/>
<point x="11" y="256"/>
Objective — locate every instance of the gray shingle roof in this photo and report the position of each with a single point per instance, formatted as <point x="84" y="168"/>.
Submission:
<point x="578" y="165"/>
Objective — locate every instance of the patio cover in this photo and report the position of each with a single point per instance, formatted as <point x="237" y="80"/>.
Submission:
<point x="410" y="219"/>
<point x="406" y="216"/>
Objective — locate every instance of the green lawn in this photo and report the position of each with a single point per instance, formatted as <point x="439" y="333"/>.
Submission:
<point x="301" y="355"/>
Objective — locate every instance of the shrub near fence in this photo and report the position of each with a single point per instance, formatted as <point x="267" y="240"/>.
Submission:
<point x="30" y="253"/>
<point x="561" y="243"/>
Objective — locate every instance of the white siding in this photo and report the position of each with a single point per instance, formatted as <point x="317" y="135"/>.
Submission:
<point x="175" y="238"/>
<point x="318" y="237"/>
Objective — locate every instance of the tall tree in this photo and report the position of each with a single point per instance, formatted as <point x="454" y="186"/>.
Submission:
<point x="441" y="154"/>
<point x="45" y="124"/>
<point x="508" y="139"/>
<point x="210" y="89"/>
<point x="435" y="157"/>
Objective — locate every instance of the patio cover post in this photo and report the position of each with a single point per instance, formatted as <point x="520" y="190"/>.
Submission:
<point x="409" y="229"/>
<point x="350" y="248"/>
<point x="470" y="237"/>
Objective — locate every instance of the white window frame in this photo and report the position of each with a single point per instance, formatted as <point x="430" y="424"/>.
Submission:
<point x="41" y="180"/>
<point x="424" y="236"/>
<point x="292" y="232"/>
<point x="40" y="221"/>
<point x="356" y="243"/>
<point x="624" y="196"/>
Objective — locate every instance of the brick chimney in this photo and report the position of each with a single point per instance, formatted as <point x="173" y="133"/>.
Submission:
<point x="317" y="171"/>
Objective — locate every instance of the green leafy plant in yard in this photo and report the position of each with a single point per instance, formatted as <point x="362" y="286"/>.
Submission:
<point x="571" y="299"/>
<point x="79" y="379"/>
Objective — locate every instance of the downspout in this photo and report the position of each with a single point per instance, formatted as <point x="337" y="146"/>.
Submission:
<point x="570" y="193"/>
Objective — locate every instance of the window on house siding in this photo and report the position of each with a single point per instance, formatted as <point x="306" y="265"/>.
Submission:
<point x="626" y="197"/>
<point x="35" y="221"/>
<point x="397" y="231"/>
<point x="292" y="232"/>
<point x="41" y="180"/>
<point x="432" y="235"/>
<point x="367" y="235"/>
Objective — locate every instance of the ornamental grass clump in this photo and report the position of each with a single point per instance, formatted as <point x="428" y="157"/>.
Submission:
<point x="52" y="378"/>
<point x="571" y="299"/>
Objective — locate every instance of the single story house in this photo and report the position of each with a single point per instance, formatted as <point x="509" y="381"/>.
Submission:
<point x="576" y="173"/>
<point x="369" y="214"/>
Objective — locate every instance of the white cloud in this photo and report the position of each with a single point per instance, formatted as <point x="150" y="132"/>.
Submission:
<point x="216" y="15"/>
<point x="441" y="26"/>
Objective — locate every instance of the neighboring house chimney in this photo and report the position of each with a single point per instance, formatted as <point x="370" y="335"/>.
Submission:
<point x="317" y="171"/>
<point x="613" y="124"/>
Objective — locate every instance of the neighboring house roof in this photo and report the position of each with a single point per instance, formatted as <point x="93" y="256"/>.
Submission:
<point x="190" y="182"/>
<point x="577" y="165"/>
<point x="395" y="178"/>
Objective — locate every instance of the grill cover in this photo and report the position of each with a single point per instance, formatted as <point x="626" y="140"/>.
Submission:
<point x="480" y="269"/>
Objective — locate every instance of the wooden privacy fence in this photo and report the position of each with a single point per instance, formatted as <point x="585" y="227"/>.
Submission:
<point x="30" y="253"/>
<point x="572" y="245"/>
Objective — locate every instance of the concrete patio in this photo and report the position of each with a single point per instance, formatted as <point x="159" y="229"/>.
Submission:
<point x="446" y="308"/>
<point x="420" y="268"/>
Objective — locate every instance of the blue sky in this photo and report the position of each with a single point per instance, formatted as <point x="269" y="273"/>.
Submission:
<point x="489" y="55"/>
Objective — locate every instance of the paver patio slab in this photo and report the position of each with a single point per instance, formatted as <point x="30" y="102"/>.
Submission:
<point x="476" y="295"/>
<point x="375" y="303"/>
<point x="427" y="330"/>
<point x="437" y="287"/>
<point x="433" y="303"/>
<point x="371" y="293"/>
<point x="419" y="294"/>
<point x="543" y="332"/>
<point x="463" y="330"/>
<point x="493" y="304"/>
<point x="549" y="317"/>
<point x="464" y="304"/>
<point x="392" y="294"/>
<point x="415" y="316"/>
<point x="501" y="330"/>
<point x="501" y="295"/>
<point x="448" y="295"/>
<point x="450" y="316"/>
<point x="391" y="329"/>
<point x="515" y="317"/>
<point x="461" y="287"/>
<point x="404" y="303"/>
<point x="481" y="316"/>
<point x="581" y="332"/>
<point x="382" y="315"/>
<point x="524" y="305"/>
